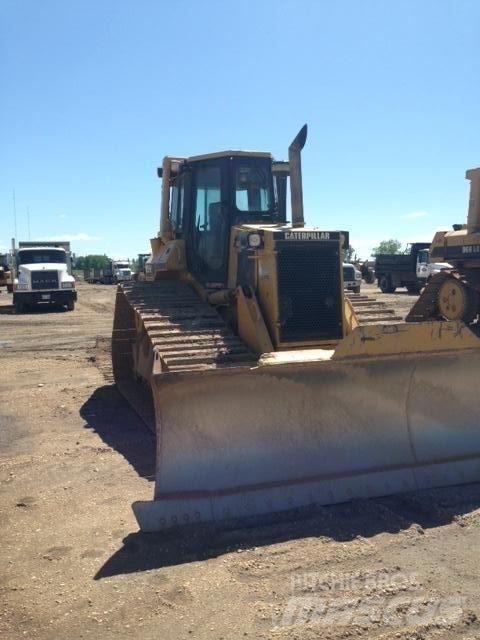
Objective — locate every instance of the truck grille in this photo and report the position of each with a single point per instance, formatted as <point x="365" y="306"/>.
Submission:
<point x="309" y="291"/>
<point x="348" y="274"/>
<point x="44" y="280"/>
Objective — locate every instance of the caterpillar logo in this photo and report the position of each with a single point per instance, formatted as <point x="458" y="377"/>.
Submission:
<point x="307" y="235"/>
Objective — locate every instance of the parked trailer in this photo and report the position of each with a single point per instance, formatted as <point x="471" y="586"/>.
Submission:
<point x="115" y="271"/>
<point x="98" y="276"/>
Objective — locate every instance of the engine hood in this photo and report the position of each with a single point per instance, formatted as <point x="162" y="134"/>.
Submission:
<point x="44" y="266"/>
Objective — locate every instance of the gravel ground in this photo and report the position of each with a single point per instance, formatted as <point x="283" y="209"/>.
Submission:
<point x="73" y="565"/>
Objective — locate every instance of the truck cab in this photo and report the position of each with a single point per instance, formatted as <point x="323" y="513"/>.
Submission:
<point x="42" y="278"/>
<point x="121" y="271"/>
<point x="352" y="278"/>
<point x="426" y="269"/>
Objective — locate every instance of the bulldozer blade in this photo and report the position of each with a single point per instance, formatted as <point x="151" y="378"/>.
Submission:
<point x="241" y="442"/>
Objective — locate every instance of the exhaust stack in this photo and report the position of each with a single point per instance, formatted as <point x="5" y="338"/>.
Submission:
<point x="165" y="228"/>
<point x="296" y="190"/>
<point x="473" y="218"/>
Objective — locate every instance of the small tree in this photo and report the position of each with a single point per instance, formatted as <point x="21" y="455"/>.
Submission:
<point x="79" y="262"/>
<point x="387" y="246"/>
<point x="95" y="262"/>
<point x="350" y="254"/>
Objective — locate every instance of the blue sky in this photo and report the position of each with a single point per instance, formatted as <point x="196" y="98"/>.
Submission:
<point x="95" y="93"/>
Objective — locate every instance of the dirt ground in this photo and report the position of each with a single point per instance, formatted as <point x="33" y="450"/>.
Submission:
<point x="73" y="564"/>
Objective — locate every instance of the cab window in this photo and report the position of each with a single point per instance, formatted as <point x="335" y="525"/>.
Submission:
<point x="253" y="187"/>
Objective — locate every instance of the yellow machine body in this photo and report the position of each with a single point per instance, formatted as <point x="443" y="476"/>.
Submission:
<point x="270" y="390"/>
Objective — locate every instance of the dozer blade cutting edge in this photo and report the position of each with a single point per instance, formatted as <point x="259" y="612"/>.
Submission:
<point x="313" y="427"/>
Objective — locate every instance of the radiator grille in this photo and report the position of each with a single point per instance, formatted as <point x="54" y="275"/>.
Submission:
<point x="44" y="280"/>
<point x="348" y="273"/>
<point x="309" y="291"/>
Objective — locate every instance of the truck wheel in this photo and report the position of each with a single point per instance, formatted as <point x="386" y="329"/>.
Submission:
<point x="414" y="288"/>
<point x="71" y="305"/>
<point x="386" y="285"/>
<point x="356" y="289"/>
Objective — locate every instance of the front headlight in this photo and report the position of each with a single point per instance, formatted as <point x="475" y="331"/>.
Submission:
<point x="254" y="240"/>
<point x="68" y="285"/>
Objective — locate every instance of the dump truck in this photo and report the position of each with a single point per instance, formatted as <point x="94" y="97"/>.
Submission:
<point x="115" y="271"/>
<point x="453" y="292"/>
<point x="411" y="269"/>
<point x="267" y="388"/>
<point x="394" y="270"/>
<point x="43" y="275"/>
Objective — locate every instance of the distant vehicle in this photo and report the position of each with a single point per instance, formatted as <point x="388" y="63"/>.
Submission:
<point x="115" y="271"/>
<point x="427" y="269"/>
<point x="352" y="278"/>
<point x="5" y="273"/>
<point x="121" y="271"/>
<point x="43" y="275"/>
<point x="411" y="269"/>
<point x="367" y="269"/>
<point x="141" y="261"/>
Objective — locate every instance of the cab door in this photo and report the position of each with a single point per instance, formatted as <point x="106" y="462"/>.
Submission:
<point x="209" y="225"/>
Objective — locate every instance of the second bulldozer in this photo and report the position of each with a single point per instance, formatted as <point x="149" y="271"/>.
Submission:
<point x="454" y="294"/>
<point x="267" y="387"/>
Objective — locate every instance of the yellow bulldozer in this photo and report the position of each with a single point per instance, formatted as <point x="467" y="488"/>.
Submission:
<point x="454" y="294"/>
<point x="5" y="273"/>
<point x="269" y="388"/>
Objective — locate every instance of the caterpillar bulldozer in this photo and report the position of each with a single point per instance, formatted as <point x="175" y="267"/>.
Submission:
<point x="269" y="388"/>
<point x="5" y="273"/>
<point x="454" y="294"/>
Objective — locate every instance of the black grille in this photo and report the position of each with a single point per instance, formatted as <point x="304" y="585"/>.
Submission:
<point x="348" y="273"/>
<point x="44" y="280"/>
<point x="309" y="291"/>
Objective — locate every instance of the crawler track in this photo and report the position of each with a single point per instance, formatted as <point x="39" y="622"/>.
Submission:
<point x="188" y="333"/>
<point x="371" y="311"/>
<point x="425" y="307"/>
<point x="168" y="320"/>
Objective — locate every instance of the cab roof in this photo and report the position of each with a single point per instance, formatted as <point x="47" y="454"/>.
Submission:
<point x="42" y="248"/>
<point x="229" y="154"/>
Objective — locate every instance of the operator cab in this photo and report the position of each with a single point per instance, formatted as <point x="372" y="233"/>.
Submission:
<point x="211" y="193"/>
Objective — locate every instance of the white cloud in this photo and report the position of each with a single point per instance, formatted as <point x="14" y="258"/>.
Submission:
<point x="415" y="214"/>
<point x="70" y="237"/>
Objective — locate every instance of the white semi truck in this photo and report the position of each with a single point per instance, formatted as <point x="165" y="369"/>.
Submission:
<point x="43" y="275"/>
